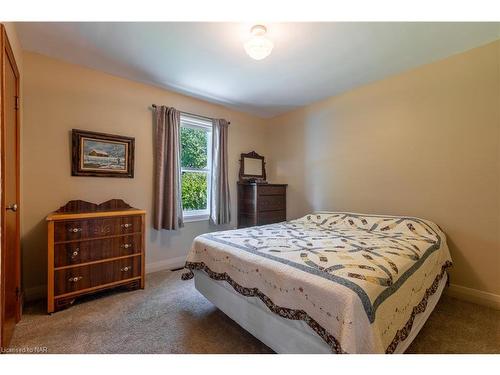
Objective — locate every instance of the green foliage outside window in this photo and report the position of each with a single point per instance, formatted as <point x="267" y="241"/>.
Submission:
<point x="193" y="148"/>
<point x="194" y="191"/>
<point x="194" y="145"/>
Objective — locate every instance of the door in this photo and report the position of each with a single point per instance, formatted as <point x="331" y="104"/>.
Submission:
<point x="10" y="251"/>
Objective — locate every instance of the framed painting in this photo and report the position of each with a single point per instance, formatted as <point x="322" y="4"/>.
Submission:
<point x="102" y="155"/>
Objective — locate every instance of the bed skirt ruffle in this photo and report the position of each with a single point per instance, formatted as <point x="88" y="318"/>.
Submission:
<point x="293" y="314"/>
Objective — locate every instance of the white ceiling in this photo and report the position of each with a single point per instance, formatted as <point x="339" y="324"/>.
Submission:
<point x="310" y="61"/>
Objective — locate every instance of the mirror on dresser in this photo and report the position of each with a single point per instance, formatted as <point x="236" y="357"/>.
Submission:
<point x="252" y="167"/>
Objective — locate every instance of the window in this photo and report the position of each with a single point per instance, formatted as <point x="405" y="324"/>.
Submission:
<point x="196" y="165"/>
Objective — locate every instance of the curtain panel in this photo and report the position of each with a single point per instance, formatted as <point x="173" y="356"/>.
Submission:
<point x="220" y="203"/>
<point x="167" y="205"/>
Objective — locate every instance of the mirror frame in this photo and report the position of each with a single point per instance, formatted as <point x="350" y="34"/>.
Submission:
<point x="248" y="177"/>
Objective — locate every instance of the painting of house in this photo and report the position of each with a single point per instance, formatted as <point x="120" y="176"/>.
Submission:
<point x="99" y="153"/>
<point x="103" y="155"/>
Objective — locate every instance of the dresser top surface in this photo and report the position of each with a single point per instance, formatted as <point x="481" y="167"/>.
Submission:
<point x="55" y="216"/>
<point x="78" y="209"/>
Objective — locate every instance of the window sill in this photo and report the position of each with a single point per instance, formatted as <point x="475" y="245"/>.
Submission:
<point x="197" y="217"/>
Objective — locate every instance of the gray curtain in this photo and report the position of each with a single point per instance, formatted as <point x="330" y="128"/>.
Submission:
<point x="220" y="204"/>
<point x="167" y="195"/>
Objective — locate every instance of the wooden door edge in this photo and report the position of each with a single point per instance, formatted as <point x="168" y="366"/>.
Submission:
<point x="6" y="47"/>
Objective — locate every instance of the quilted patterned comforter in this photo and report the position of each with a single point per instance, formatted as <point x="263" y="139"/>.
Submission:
<point x="357" y="280"/>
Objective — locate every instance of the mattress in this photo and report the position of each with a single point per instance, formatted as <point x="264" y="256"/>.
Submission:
<point x="357" y="281"/>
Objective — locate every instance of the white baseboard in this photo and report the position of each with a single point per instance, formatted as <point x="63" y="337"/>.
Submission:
<point x="474" y="295"/>
<point x="167" y="264"/>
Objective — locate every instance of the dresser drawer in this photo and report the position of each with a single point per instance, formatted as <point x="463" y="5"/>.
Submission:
<point x="84" y="277"/>
<point x="271" y="190"/>
<point x="90" y="228"/>
<point x="71" y="253"/>
<point x="269" y="217"/>
<point x="271" y="202"/>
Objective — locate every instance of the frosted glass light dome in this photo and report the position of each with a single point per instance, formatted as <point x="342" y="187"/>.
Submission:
<point x="258" y="47"/>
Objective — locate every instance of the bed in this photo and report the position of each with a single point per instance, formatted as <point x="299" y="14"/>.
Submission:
<point x="329" y="282"/>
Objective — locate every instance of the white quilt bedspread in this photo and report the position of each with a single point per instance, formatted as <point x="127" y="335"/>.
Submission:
<point x="357" y="280"/>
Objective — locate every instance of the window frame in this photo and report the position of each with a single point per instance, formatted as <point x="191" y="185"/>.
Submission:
<point x="192" y="122"/>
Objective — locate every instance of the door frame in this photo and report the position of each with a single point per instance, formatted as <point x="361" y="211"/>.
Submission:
<point x="6" y="53"/>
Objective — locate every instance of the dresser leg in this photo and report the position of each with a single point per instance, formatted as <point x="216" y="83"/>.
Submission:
<point x="62" y="304"/>
<point x="133" y="286"/>
<point x="50" y="306"/>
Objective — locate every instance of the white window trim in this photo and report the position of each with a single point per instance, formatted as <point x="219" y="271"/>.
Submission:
<point x="196" y="123"/>
<point x="191" y="216"/>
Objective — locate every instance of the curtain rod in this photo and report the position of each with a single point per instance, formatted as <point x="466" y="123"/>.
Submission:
<point x="193" y="114"/>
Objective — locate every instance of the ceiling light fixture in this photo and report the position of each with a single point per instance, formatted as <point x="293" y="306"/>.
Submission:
<point x="258" y="46"/>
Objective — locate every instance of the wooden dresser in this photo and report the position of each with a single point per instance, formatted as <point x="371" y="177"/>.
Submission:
<point x="260" y="204"/>
<point x="93" y="247"/>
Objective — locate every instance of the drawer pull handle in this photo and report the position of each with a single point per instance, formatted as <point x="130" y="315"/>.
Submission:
<point x="75" y="279"/>
<point x="126" y="269"/>
<point x="75" y="253"/>
<point x="126" y="245"/>
<point x="75" y="230"/>
<point x="126" y="226"/>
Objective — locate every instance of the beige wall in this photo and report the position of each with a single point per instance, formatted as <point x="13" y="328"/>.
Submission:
<point x="424" y="143"/>
<point x="60" y="96"/>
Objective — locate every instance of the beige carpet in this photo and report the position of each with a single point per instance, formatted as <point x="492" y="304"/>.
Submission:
<point x="170" y="316"/>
